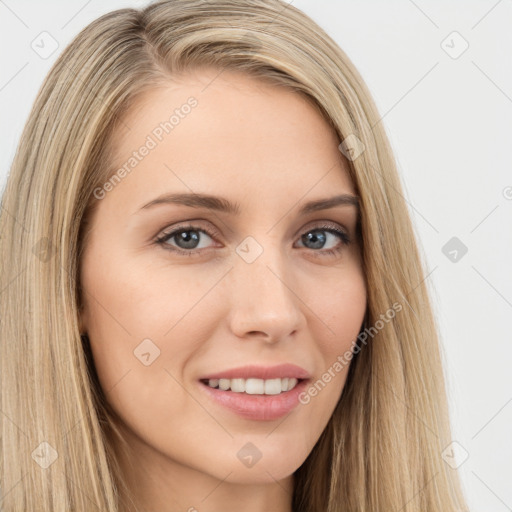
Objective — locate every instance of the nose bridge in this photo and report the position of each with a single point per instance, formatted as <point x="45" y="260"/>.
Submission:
<point x="262" y="297"/>
<point x="262" y="262"/>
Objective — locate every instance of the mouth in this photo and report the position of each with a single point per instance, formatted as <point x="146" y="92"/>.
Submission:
<point x="257" y="392"/>
<point x="252" y="404"/>
<point x="254" y="386"/>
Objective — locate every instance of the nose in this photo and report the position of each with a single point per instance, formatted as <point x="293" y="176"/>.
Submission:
<point x="263" y="302"/>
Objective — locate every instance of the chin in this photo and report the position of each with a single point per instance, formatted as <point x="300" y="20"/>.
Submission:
<point x="260" y="461"/>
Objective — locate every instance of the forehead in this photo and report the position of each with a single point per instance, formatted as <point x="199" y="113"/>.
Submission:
<point x="241" y="134"/>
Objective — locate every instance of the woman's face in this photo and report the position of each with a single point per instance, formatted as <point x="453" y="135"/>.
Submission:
<point x="259" y="291"/>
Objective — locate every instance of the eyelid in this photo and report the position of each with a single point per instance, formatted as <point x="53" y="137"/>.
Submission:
<point x="190" y="224"/>
<point x="197" y="223"/>
<point x="322" y="223"/>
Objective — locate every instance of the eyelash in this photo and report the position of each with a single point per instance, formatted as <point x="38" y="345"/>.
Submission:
<point x="330" y="228"/>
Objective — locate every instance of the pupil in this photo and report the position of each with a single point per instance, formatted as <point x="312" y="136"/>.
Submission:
<point x="190" y="241"/>
<point x="317" y="239"/>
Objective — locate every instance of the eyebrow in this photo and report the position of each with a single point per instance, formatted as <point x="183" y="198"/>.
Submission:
<point x="224" y="205"/>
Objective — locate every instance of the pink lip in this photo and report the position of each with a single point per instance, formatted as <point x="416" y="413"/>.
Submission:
<point x="257" y="407"/>
<point x="261" y="372"/>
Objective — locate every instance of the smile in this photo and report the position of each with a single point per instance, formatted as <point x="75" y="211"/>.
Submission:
<point x="254" y="386"/>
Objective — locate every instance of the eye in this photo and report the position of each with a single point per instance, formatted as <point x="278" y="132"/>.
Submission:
<point x="317" y="237"/>
<point x="188" y="239"/>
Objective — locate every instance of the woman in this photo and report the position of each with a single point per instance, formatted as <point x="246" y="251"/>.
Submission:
<point x="212" y="293"/>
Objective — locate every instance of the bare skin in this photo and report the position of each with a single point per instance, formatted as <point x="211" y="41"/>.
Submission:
<point x="269" y="151"/>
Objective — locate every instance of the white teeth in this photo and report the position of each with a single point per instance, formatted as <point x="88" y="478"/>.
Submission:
<point x="273" y="387"/>
<point x="255" y="386"/>
<point x="292" y="383"/>
<point x="238" y="385"/>
<point x="224" y="384"/>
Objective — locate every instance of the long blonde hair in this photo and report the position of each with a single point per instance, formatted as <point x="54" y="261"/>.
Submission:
<point x="381" y="450"/>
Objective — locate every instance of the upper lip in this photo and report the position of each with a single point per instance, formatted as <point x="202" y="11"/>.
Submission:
<point x="261" y="372"/>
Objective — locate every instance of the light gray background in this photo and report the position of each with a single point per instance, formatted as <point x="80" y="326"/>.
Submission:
<point x="449" y="120"/>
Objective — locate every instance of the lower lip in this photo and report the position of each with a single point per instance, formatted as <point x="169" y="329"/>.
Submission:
<point x="257" y="407"/>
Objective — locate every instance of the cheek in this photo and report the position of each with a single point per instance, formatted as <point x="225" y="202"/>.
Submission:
<point x="145" y="323"/>
<point x="341" y="307"/>
<point x="134" y="300"/>
<point x="338" y="311"/>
